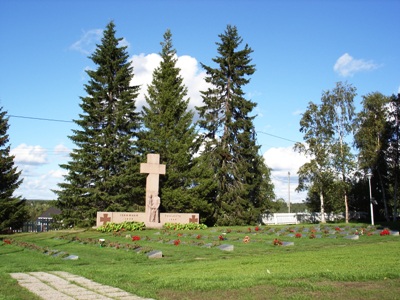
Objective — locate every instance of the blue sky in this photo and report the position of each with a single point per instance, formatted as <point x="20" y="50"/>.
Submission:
<point x="301" y="48"/>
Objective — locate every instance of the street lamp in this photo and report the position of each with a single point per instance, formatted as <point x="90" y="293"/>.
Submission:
<point x="289" y="191"/>
<point x="369" y="175"/>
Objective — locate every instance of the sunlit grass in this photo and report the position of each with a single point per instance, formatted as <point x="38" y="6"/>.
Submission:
<point x="312" y="268"/>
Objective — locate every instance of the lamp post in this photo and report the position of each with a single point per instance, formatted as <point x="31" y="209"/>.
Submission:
<point x="369" y="175"/>
<point x="289" y="191"/>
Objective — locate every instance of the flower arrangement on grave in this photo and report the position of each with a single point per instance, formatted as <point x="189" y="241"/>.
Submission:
<point x="177" y="242"/>
<point x="298" y="235"/>
<point x="312" y="236"/>
<point x="136" y="238"/>
<point x="221" y="238"/>
<point x="384" y="232"/>
<point x="249" y="229"/>
<point x="359" y="232"/>
<point x="198" y="236"/>
<point x="7" y="242"/>
<point x="246" y="239"/>
<point x="277" y="242"/>
<point x="257" y="228"/>
<point x="337" y="229"/>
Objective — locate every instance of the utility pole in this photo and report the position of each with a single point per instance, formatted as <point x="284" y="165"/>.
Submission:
<point x="289" y="191"/>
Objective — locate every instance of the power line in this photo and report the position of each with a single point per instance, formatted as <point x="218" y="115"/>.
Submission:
<point x="67" y="121"/>
<point x="278" y="137"/>
<point x="39" y="119"/>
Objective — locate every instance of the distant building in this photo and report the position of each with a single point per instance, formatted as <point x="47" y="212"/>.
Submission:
<point x="45" y="219"/>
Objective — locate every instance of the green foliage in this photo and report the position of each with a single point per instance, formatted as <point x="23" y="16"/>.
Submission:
<point x="124" y="226"/>
<point x="12" y="209"/>
<point x="372" y="138"/>
<point x="169" y="131"/>
<point x="325" y="128"/>
<point x="235" y="177"/>
<point x="393" y="151"/>
<point x="103" y="174"/>
<point x="188" y="226"/>
<point x="36" y="207"/>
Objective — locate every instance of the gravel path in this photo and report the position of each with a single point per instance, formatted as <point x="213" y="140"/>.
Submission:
<point x="66" y="286"/>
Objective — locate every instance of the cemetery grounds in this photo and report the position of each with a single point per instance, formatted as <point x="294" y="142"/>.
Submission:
<point x="333" y="261"/>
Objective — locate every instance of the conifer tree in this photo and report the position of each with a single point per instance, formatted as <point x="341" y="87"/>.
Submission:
<point x="169" y="131"/>
<point x="13" y="211"/>
<point x="240" y="184"/>
<point x="103" y="167"/>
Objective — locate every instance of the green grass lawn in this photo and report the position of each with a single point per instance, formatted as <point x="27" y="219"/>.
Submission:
<point x="328" y="266"/>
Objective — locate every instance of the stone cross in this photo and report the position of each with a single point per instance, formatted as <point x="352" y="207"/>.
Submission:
<point x="154" y="169"/>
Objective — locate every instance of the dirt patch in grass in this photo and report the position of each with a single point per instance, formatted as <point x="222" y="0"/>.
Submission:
<point x="384" y="290"/>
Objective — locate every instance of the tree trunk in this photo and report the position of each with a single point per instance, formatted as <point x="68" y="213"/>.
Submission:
<point x="383" y="197"/>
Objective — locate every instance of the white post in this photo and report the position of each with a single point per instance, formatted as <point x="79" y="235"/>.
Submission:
<point x="289" y="191"/>
<point x="369" y="175"/>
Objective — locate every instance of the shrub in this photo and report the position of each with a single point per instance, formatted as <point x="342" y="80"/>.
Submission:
<point x="125" y="226"/>
<point x="188" y="226"/>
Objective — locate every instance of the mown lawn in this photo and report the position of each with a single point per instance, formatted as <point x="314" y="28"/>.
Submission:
<point x="324" y="266"/>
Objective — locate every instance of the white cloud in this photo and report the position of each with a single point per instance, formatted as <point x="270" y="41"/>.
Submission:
<point x="87" y="43"/>
<point x="346" y="65"/>
<point x="39" y="184"/>
<point x="193" y="78"/>
<point x="282" y="161"/>
<point x="62" y="151"/>
<point x="29" y="155"/>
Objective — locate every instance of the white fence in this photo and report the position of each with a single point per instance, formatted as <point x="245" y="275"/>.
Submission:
<point x="296" y="218"/>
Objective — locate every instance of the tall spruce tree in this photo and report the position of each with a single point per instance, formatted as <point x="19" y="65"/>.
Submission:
<point x="102" y="170"/>
<point x="13" y="211"/>
<point x="239" y="187"/>
<point x="169" y="131"/>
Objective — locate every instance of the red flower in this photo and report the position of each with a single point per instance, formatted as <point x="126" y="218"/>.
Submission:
<point x="198" y="236"/>
<point x="179" y="234"/>
<point x="177" y="242"/>
<point x="277" y="242"/>
<point x="249" y="229"/>
<point x="298" y="235"/>
<point x="221" y="238"/>
<point x="8" y="242"/>
<point x="136" y="238"/>
<point x="312" y="236"/>
<point x="385" y="232"/>
<point x="257" y="228"/>
<point x="337" y="229"/>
